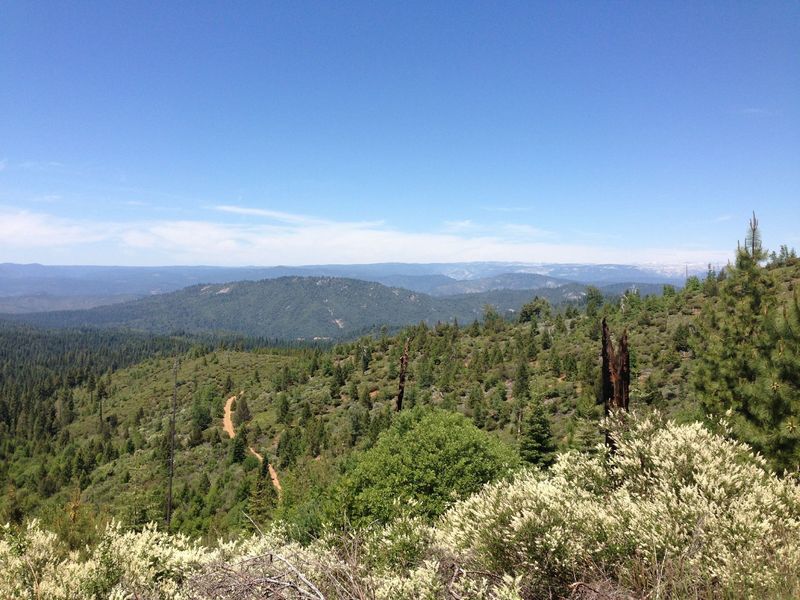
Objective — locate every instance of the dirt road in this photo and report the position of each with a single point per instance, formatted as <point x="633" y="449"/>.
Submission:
<point x="227" y="425"/>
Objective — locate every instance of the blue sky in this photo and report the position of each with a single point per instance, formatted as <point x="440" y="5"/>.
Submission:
<point x="292" y="133"/>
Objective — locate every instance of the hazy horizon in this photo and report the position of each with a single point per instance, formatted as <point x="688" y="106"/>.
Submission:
<point x="693" y="267"/>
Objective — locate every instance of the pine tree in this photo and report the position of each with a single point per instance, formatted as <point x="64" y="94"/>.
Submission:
<point x="263" y="497"/>
<point x="747" y="357"/>
<point x="238" y="449"/>
<point x="477" y="406"/>
<point x="536" y="444"/>
<point x="315" y="436"/>
<point x="102" y="394"/>
<point x="521" y="390"/>
<point x="532" y="344"/>
<point x="242" y="414"/>
<point x="783" y="404"/>
<point x="227" y="388"/>
<point x="586" y="431"/>
<point x="282" y="408"/>
<point x="547" y="339"/>
<point x="594" y="301"/>
<point x="533" y="310"/>
<point x="366" y="358"/>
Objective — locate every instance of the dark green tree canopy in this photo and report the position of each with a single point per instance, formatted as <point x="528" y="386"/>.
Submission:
<point x="242" y="414"/>
<point x="534" y="310"/>
<point x="422" y="463"/>
<point x="747" y="360"/>
<point x="536" y="445"/>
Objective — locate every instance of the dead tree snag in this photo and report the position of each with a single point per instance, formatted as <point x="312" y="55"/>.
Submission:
<point x="401" y="386"/>
<point x="616" y="375"/>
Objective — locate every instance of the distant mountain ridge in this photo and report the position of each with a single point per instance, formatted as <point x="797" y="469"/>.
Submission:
<point x="293" y="307"/>
<point x="46" y="302"/>
<point x="55" y="287"/>
<point x="504" y="281"/>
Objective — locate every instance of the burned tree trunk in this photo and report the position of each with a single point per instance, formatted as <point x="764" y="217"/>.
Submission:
<point x="401" y="385"/>
<point x="616" y="376"/>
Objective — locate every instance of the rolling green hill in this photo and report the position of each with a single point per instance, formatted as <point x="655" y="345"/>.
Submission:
<point x="290" y="308"/>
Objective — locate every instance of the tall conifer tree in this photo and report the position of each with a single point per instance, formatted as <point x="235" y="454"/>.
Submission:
<point x="747" y="363"/>
<point x="536" y="443"/>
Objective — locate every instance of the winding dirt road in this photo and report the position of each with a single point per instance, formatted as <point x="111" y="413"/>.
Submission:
<point x="227" y="425"/>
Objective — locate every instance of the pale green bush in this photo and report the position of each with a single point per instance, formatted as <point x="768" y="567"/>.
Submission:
<point x="400" y="545"/>
<point x="676" y="509"/>
<point x="422" y="583"/>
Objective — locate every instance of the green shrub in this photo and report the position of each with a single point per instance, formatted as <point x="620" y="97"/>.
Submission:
<point x="428" y="457"/>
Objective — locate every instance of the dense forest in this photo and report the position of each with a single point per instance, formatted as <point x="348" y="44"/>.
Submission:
<point x="294" y="308"/>
<point x="414" y="438"/>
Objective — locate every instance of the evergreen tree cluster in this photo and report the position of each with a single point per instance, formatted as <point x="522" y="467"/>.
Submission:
<point x="747" y="351"/>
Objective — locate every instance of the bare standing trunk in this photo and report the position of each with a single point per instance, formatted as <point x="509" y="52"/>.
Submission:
<point x="616" y="376"/>
<point x="402" y="379"/>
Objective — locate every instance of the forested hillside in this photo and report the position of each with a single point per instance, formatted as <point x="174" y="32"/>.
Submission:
<point x="85" y="435"/>
<point x="292" y="308"/>
<point x="313" y="404"/>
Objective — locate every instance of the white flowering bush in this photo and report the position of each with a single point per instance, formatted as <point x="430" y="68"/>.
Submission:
<point x="401" y="545"/>
<point x="675" y="508"/>
<point x="674" y="512"/>
<point x="28" y="566"/>
<point x="148" y="563"/>
<point x="423" y="583"/>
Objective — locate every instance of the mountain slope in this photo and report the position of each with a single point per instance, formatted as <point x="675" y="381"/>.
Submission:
<point x="292" y="308"/>
<point x="46" y="302"/>
<point x="283" y="308"/>
<point x="504" y="281"/>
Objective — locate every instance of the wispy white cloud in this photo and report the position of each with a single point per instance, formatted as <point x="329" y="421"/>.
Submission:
<point x="26" y="235"/>
<point x="22" y="229"/>
<point x="290" y="218"/>
<point x="3" y="164"/>
<point x="283" y="217"/>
